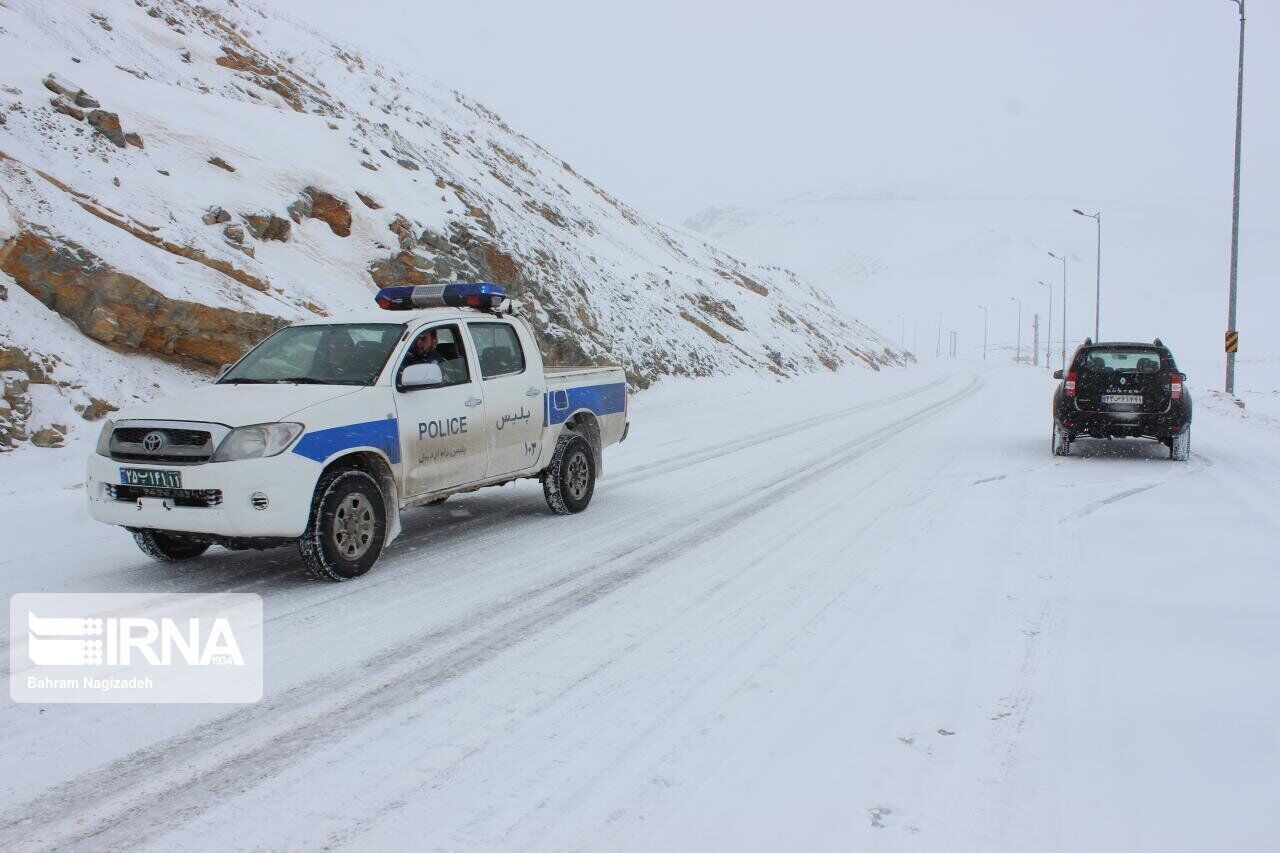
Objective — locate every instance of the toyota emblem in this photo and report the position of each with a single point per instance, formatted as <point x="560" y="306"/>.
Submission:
<point x="152" y="441"/>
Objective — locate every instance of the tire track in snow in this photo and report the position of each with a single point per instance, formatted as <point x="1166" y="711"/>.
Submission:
<point x="138" y="797"/>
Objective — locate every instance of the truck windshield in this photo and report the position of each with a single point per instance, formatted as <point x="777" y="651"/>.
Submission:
<point x="337" y="354"/>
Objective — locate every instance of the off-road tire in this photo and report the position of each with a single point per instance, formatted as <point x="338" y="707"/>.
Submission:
<point x="570" y="479"/>
<point x="1180" y="446"/>
<point x="1060" y="441"/>
<point x="167" y="547"/>
<point x="348" y="526"/>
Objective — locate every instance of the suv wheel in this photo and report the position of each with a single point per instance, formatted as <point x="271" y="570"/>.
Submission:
<point x="1061" y="441"/>
<point x="167" y="547"/>
<point x="570" y="479"/>
<point x="347" y="529"/>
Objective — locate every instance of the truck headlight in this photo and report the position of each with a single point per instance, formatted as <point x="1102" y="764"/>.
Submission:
<point x="257" y="441"/>
<point x="104" y="438"/>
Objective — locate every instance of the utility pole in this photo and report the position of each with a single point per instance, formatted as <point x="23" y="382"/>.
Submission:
<point x="1035" y="339"/>
<point x="902" y="336"/>
<point x="1235" y="215"/>
<point x="1064" y="307"/>
<point x="984" y="331"/>
<point x="1048" y="330"/>
<point x="915" y="337"/>
<point x="937" y="352"/>
<point x="1097" y="297"/>
<point x="1018" y="357"/>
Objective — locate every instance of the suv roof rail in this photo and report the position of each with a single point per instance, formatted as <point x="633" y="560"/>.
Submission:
<point x="1159" y="342"/>
<point x="1088" y="342"/>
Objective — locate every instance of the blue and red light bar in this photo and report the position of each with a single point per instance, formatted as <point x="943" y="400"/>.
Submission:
<point x="480" y="295"/>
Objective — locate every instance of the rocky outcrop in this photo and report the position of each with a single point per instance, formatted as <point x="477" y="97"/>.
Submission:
<point x="330" y="210"/>
<point x="122" y="311"/>
<point x="108" y="124"/>
<point x="268" y="226"/>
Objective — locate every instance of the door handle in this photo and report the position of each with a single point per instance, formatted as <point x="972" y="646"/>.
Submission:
<point x="474" y="401"/>
<point x="533" y="392"/>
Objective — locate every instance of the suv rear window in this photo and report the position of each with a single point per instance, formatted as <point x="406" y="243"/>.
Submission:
<point x="1142" y="360"/>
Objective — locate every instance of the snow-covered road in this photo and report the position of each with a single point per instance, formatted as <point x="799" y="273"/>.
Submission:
<point x="850" y="612"/>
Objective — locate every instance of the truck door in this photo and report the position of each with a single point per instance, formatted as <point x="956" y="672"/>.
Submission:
<point x="442" y="427"/>
<point x="513" y="389"/>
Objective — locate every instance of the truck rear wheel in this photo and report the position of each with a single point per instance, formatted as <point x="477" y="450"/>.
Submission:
<point x="570" y="479"/>
<point x="167" y="547"/>
<point x="347" y="529"/>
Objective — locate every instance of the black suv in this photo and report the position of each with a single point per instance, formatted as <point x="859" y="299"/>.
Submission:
<point x="1122" y="390"/>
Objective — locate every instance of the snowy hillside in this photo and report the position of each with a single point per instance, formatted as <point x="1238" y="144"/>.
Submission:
<point x="177" y="180"/>
<point x="921" y="251"/>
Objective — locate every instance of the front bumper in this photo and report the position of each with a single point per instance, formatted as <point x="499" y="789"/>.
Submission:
<point x="288" y="482"/>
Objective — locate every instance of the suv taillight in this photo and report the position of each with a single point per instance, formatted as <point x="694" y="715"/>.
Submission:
<point x="1069" y="387"/>
<point x="1175" y="386"/>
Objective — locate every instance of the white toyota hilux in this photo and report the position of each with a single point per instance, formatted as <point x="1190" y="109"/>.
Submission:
<point x="325" y="431"/>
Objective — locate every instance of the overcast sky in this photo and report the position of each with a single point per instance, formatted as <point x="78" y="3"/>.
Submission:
<point x="679" y="105"/>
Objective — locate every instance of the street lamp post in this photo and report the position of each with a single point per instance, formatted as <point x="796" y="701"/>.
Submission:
<point x="1235" y="209"/>
<point x="1064" y="307"/>
<point x="902" y="336"/>
<point x="1048" y="329"/>
<point x="984" y="331"/>
<point x="1097" y="298"/>
<point x="1018" y="358"/>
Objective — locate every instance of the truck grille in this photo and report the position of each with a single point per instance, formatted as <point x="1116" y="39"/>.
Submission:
<point x="181" y="497"/>
<point x="165" y="443"/>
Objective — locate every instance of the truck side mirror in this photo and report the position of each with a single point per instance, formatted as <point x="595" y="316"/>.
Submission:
<point x="422" y="376"/>
<point x="1057" y="374"/>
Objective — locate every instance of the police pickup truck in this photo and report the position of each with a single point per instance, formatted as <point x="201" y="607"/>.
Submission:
<point x="325" y="431"/>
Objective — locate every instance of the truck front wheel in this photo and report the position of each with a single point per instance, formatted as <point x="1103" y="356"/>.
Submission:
<point x="347" y="529"/>
<point x="167" y="547"/>
<point x="570" y="479"/>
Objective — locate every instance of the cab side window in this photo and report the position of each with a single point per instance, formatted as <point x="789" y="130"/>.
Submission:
<point x="498" y="349"/>
<point x="440" y="345"/>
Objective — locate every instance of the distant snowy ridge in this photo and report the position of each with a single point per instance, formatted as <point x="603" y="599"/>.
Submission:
<point x="176" y="180"/>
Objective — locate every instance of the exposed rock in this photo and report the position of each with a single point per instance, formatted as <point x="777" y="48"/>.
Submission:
<point x="221" y="164"/>
<point x="49" y="437"/>
<point x="403" y="268"/>
<point x="134" y="139"/>
<point x="368" y="201"/>
<point x="62" y="105"/>
<point x="330" y="210"/>
<point x="108" y="124"/>
<point x="300" y="208"/>
<point x="97" y="409"/>
<point x="216" y="216"/>
<point x="403" y="229"/>
<point x="121" y="310"/>
<point x="234" y="233"/>
<point x="368" y="165"/>
<point x="62" y="86"/>
<point x="86" y="101"/>
<point x="4" y="293"/>
<point x="408" y="164"/>
<point x="164" y="172"/>
<point x="186" y="55"/>
<point x="268" y="226"/>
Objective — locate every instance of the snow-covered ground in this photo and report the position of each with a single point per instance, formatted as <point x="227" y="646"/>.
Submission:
<point x="851" y="612"/>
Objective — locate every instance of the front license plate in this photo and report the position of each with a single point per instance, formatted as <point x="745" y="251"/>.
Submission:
<point x="150" y="477"/>
<point x="1122" y="399"/>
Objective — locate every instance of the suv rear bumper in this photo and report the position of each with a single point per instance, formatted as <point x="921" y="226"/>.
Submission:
<point x="1122" y="424"/>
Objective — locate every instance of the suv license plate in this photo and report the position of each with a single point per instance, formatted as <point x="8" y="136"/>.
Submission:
<point x="1122" y="399"/>
<point x="150" y="477"/>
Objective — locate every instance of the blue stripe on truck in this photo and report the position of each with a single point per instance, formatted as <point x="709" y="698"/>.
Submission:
<point x="558" y="405"/>
<point x="323" y="443"/>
